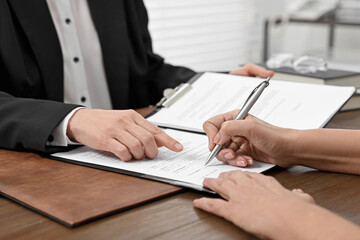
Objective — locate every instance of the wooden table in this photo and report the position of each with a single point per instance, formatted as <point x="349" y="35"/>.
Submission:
<point x="175" y="218"/>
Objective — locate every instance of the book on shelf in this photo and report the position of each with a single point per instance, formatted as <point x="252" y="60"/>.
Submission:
<point x="329" y="77"/>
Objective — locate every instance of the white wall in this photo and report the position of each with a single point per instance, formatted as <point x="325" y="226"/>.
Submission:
<point x="218" y="35"/>
<point x="215" y="35"/>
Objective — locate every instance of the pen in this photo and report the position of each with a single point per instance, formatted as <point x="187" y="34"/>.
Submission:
<point x="250" y="101"/>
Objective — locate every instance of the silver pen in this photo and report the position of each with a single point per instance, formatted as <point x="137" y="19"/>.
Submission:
<point x="255" y="94"/>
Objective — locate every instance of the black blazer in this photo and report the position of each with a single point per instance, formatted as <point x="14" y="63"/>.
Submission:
<point x="31" y="67"/>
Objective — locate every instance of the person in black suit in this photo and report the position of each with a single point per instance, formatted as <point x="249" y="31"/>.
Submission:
<point x="33" y="63"/>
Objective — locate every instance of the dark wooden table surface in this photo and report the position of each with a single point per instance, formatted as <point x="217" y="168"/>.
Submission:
<point x="175" y="218"/>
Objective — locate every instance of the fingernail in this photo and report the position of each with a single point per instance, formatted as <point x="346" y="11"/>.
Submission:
<point x="217" y="138"/>
<point x="229" y="156"/>
<point x="241" y="164"/>
<point x="195" y="201"/>
<point x="251" y="161"/>
<point x="178" y="146"/>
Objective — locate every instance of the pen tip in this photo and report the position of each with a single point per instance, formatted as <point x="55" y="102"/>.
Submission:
<point x="208" y="159"/>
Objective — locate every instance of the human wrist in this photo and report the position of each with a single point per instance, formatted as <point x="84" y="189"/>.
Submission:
<point x="289" y="154"/>
<point x="300" y="220"/>
<point x="72" y="125"/>
<point x="290" y="213"/>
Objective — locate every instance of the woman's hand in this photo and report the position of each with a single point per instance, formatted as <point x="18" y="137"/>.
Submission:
<point x="253" y="201"/>
<point x="252" y="70"/>
<point x="248" y="139"/>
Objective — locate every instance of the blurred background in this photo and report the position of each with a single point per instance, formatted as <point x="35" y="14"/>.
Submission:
<point x="220" y="35"/>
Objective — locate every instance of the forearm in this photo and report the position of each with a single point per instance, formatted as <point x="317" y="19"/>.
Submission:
<point x="309" y="221"/>
<point x="326" y="149"/>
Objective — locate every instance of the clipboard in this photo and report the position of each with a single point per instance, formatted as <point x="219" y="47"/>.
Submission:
<point x="286" y="96"/>
<point x="185" y="169"/>
<point x="283" y="100"/>
<point x="171" y="95"/>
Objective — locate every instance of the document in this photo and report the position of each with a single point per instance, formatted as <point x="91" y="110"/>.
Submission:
<point x="186" y="169"/>
<point x="284" y="104"/>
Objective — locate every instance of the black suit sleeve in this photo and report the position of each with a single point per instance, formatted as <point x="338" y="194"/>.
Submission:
<point x="27" y="123"/>
<point x="163" y="75"/>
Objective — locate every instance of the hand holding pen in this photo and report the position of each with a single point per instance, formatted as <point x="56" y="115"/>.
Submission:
<point x="254" y="96"/>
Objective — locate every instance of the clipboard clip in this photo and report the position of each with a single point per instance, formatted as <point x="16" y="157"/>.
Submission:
<point x="172" y="95"/>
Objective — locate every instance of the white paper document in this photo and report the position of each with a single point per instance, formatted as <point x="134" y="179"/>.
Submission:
<point x="186" y="168"/>
<point x="284" y="104"/>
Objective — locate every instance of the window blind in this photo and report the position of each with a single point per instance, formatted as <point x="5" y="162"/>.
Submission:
<point x="205" y="35"/>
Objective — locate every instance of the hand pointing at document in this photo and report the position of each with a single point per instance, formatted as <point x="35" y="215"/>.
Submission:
<point x="125" y="133"/>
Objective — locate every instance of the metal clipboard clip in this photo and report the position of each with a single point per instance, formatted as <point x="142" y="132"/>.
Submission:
<point x="172" y="95"/>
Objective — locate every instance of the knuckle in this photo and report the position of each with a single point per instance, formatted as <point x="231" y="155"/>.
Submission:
<point x="249" y="65"/>
<point x="126" y="115"/>
<point x="225" y="126"/>
<point x="126" y="159"/>
<point x="155" y="130"/>
<point x="213" y="206"/>
<point x="237" y="172"/>
<point x="220" y="182"/>
<point x="122" y="119"/>
<point x="226" y="182"/>
<point x="123" y="153"/>
<point x="311" y="199"/>
<point x="153" y="154"/>
<point x="110" y="130"/>
<point x="205" y="124"/>
<point x="133" y="114"/>
<point x="233" y="163"/>
<point x="136" y="144"/>
<point x="106" y="142"/>
<point x="148" y="138"/>
<point x="270" y="179"/>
